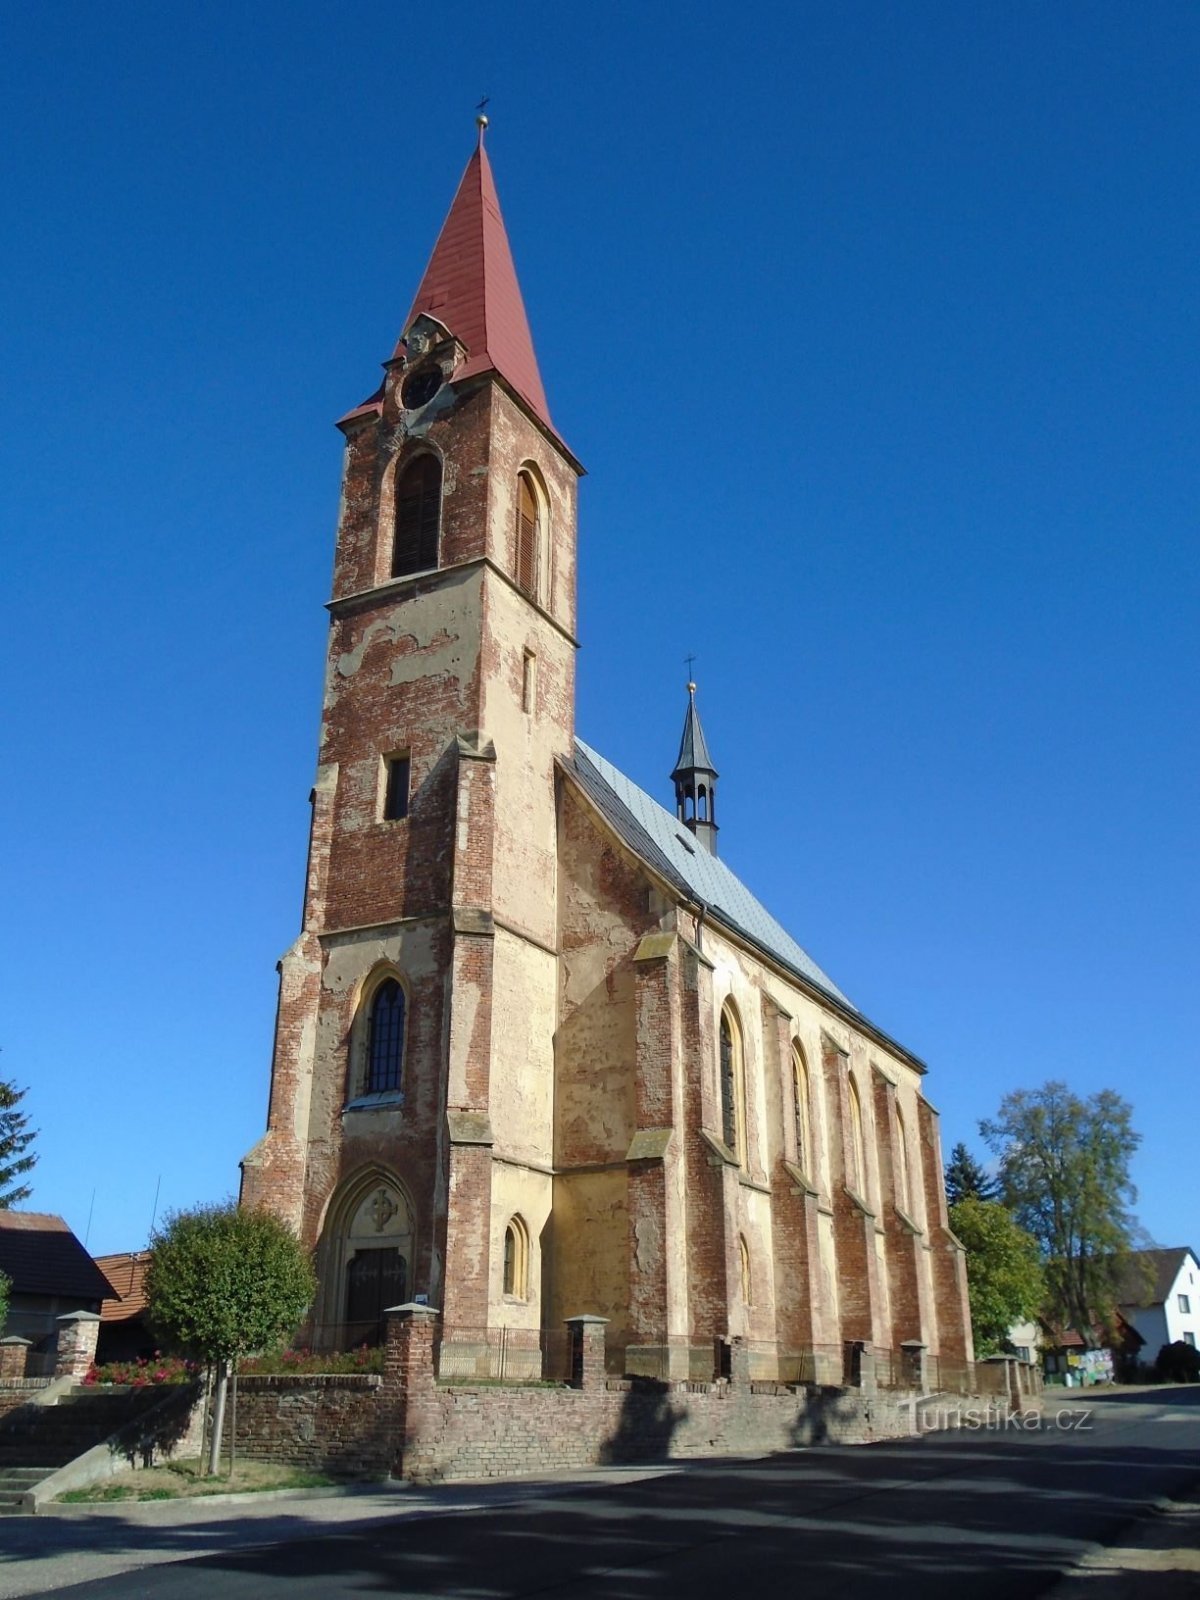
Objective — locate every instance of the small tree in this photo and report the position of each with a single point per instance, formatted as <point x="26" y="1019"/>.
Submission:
<point x="1178" y="1363"/>
<point x="1004" y="1271"/>
<point x="966" y="1178"/>
<point x="1064" y="1174"/>
<point x="5" y="1290"/>
<point x="224" y="1281"/>
<point x="15" y="1138"/>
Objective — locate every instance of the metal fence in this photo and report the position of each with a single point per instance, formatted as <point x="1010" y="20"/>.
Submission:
<point x="339" y="1336"/>
<point x="503" y="1355"/>
<point x="666" y="1361"/>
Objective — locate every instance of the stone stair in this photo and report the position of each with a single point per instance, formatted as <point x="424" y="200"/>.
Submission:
<point x="36" y="1440"/>
<point x="15" y="1483"/>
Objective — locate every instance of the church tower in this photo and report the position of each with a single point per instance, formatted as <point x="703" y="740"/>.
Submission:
<point x="411" y="1108"/>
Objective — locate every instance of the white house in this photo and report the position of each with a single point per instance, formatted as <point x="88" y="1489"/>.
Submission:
<point x="1163" y="1305"/>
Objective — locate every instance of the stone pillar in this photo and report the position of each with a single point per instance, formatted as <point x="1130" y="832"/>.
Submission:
<point x="410" y="1382"/>
<point x="739" y="1362"/>
<point x="913" y="1366"/>
<point x="658" y="1293"/>
<point x="76" y="1347"/>
<point x="12" y="1357"/>
<point x="408" y="1346"/>
<point x="858" y="1371"/>
<point x="587" y="1351"/>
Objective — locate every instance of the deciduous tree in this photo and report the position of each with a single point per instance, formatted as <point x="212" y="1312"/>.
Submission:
<point x="1004" y="1270"/>
<point x="224" y="1281"/>
<point x="16" y="1136"/>
<point x="1064" y="1174"/>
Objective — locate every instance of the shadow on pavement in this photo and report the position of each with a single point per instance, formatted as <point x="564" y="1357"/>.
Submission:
<point x="968" y="1515"/>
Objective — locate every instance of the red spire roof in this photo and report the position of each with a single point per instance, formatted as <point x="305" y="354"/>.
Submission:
<point x="470" y="285"/>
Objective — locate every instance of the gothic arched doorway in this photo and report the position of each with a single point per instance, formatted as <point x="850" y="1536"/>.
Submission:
<point x="366" y="1255"/>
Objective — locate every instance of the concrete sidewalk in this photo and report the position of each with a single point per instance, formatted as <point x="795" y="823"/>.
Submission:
<point x="1158" y="1558"/>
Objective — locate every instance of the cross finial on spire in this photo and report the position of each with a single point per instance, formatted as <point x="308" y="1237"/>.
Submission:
<point x="691" y="661"/>
<point x="481" y="120"/>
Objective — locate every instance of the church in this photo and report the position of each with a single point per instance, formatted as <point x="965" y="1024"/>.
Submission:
<point x="538" y="1051"/>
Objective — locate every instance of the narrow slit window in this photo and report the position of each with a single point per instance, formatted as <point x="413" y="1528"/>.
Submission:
<point x="800" y="1086"/>
<point x="730" y="1065"/>
<point x="529" y="682"/>
<point x="395" y="789"/>
<point x="418" y="516"/>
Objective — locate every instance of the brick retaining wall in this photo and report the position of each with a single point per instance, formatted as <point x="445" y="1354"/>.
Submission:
<point x="407" y="1423"/>
<point x="504" y="1432"/>
<point x="19" y="1392"/>
<point x="341" y="1424"/>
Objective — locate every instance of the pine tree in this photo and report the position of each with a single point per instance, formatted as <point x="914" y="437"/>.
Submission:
<point x="15" y="1138"/>
<point x="966" y="1179"/>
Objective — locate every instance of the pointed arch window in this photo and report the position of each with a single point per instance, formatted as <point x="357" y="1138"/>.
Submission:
<point x="804" y="1150"/>
<point x="733" y="1118"/>
<point x="529" y="535"/>
<point x="903" y="1181"/>
<point x="747" y="1279"/>
<point x="385" y="1039"/>
<point x="516" y="1259"/>
<point x="418" y="516"/>
<point x="858" y="1157"/>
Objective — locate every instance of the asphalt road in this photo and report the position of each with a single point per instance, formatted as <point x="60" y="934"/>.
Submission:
<point x="982" y="1514"/>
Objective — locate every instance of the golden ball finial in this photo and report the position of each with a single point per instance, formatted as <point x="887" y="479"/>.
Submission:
<point x="481" y="122"/>
<point x="691" y="688"/>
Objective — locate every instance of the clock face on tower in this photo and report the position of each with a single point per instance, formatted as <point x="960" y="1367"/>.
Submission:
<point x="419" y="388"/>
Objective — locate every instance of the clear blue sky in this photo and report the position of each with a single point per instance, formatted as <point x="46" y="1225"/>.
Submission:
<point x="876" y="326"/>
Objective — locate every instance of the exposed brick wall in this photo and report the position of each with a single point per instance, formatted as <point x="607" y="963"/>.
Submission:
<point x="330" y="1424"/>
<point x="355" y="1425"/>
<point x="19" y="1392"/>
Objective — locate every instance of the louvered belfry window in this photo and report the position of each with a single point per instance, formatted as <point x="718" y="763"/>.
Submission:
<point x="527" y="537"/>
<point x="418" y="516"/>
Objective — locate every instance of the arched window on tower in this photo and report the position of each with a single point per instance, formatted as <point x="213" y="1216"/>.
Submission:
<point x="529" y="535"/>
<point x="418" y="516"/>
<point x="385" y="1039"/>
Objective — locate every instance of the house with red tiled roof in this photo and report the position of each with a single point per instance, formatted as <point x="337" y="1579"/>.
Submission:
<point x="51" y="1274"/>
<point x="124" y="1329"/>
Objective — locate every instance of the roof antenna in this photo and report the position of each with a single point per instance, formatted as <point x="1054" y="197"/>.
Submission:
<point x="481" y="120"/>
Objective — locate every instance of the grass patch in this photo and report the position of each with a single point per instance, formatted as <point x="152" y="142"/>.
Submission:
<point x="182" y="1480"/>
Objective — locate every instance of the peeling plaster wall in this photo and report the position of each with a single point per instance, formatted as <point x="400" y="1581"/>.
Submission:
<point x="402" y="1139"/>
<point x="590" y="1274"/>
<point x="522" y="1081"/>
<point x="517" y="1191"/>
<point x="603" y="911"/>
<point x="404" y="676"/>
<point x="801" y="1282"/>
